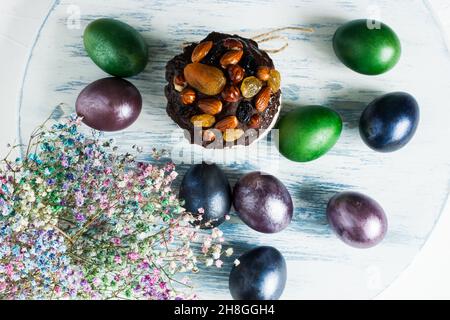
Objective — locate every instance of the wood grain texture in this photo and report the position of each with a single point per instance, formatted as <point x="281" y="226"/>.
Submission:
<point x="411" y="184"/>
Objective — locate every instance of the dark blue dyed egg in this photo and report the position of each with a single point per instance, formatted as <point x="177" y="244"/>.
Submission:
<point x="389" y="122"/>
<point x="206" y="186"/>
<point x="260" y="275"/>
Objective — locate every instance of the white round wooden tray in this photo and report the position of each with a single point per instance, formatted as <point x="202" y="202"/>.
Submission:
<point x="411" y="184"/>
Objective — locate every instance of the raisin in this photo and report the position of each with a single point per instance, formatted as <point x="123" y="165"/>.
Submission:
<point x="244" y="111"/>
<point x="274" y="80"/>
<point x="214" y="55"/>
<point x="250" y="87"/>
<point x="248" y="62"/>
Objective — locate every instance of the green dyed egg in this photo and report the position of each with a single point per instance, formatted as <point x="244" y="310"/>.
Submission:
<point x="307" y="133"/>
<point x="367" y="47"/>
<point x="116" y="47"/>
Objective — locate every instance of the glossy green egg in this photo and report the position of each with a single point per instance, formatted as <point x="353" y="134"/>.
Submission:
<point x="307" y="133"/>
<point x="116" y="47"/>
<point x="366" y="46"/>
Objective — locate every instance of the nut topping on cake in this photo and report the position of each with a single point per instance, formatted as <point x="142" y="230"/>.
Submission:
<point x="188" y="96"/>
<point x="231" y="94"/>
<point x="233" y="44"/>
<point x="231" y="58"/>
<point x="206" y="79"/>
<point x="201" y="51"/>
<point x="263" y="73"/>
<point x="262" y="99"/>
<point x="236" y="73"/>
<point x="230" y="122"/>
<point x="210" y="106"/>
<point x="179" y="83"/>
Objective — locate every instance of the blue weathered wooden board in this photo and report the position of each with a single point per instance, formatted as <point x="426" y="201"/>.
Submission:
<point x="411" y="184"/>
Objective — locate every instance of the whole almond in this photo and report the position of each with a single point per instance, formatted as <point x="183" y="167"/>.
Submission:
<point x="236" y="73"/>
<point x="232" y="134"/>
<point x="231" y="94"/>
<point x="203" y="120"/>
<point x="231" y="57"/>
<point x="208" y="80"/>
<point x="188" y="96"/>
<point x="263" y="99"/>
<point x="263" y="73"/>
<point x="210" y="106"/>
<point x="233" y="44"/>
<point x="201" y="51"/>
<point x="179" y="82"/>
<point x="255" y="121"/>
<point x="230" y="122"/>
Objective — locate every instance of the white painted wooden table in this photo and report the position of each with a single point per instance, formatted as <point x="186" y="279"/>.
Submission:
<point x="411" y="184"/>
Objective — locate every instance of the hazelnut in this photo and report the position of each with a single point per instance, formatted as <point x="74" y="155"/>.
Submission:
<point x="231" y="94"/>
<point x="179" y="82"/>
<point x="208" y="136"/>
<point x="233" y="44"/>
<point x="188" y="96"/>
<point x="263" y="73"/>
<point x="255" y="121"/>
<point x="236" y="73"/>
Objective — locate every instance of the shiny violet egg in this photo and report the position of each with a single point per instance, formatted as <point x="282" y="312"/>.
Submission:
<point x="357" y="219"/>
<point x="263" y="202"/>
<point x="260" y="275"/>
<point x="109" y="104"/>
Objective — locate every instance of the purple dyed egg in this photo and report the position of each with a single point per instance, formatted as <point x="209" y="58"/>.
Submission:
<point x="357" y="219"/>
<point x="263" y="202"/>
<point x="109" y="104"/>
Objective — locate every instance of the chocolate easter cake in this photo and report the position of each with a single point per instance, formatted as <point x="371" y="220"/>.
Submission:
<point x="223" y="90"/>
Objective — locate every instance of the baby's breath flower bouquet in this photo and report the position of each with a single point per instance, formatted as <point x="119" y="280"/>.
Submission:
<point x="79" y="220"/>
